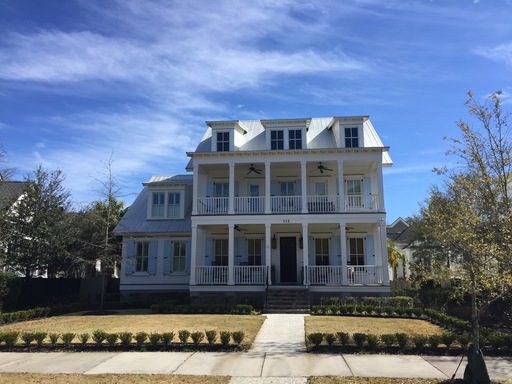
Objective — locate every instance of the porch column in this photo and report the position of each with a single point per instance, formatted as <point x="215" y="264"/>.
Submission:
<point x="341" y="187"/>
<point x="195" y="186"/>
<point x="231" y="254"/>
<point x="231" y="202"/>
<point x="305" y="252"/>
<point x="304" y="186"/>
<point x="267" y="187"/>
<point x="380" y="183"/>
<point x="384" y="252"/>
<point x="193" y="252"/>
<point x="344" y="254"/>
<point x="268" y="252"/>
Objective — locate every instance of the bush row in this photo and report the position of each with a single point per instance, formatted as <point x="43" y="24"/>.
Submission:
<point x="29" y="314"/>
<point x="237" y="309"/>
<point x="403" y="341"/>
<point x="100" y="338"/>
<point x="391" y="301"/>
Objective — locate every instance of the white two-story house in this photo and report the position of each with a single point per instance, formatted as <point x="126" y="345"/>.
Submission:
<point x="285" y="202"/>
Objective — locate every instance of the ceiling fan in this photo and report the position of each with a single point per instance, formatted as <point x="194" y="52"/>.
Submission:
<point x="252" y="168"/>
<point x="323" y="168"/>
<point x="239" y="229"/>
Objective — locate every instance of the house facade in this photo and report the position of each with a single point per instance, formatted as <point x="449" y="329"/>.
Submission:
<point x="284" y="203"/>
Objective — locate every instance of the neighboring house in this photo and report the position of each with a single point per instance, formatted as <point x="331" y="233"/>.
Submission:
<point x="288" y="202"/>
<point x="398" y="232"/>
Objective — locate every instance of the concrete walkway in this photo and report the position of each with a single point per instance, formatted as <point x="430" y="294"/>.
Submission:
<point x="278" y="356"/>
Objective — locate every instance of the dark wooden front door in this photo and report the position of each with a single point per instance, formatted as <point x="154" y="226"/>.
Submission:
<point x="288" y="253"/>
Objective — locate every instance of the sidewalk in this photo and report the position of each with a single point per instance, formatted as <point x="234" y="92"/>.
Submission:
<point x="278" y="351"/>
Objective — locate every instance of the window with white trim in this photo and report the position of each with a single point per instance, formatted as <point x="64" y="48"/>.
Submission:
<point x="141" y="256"/>
<point x="322" y="251"/>
<point x="276" y="139"/>
<point x="220" y="252"/>
<point x="221" y="189"/>
<point x="254" y="251"/>
<point x="356" y="251"/>
<point x="158" y="205"/>
<point x="351" y="137"/>
<point x="295" y="139"/>
<point x="222" y="141"/>
<point x="173" y="204"/>
<point x="179" y="256"/>
<point x="287" y="188"/>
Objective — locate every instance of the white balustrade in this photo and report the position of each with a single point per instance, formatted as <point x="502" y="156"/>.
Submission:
<point x="286" y="204"/>
<point x="250" y="204"/>
<point x="322" y="203"/>
<point x="250" y="274"/>
<point x="361" y="202"/>
<point x="325" y="275"/>
<point x="364" y="275"/>
<point x="212" y="275"/>
<point x="212" y="205"/>
<point x="356" y="275"/>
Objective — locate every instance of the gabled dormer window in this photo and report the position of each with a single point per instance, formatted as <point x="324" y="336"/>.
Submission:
<point x="222" y="141"/>
<point x="276" y="139"/>
<point x="166" y="204"/>
<point x="295" y="139"/>
<point x="351" y="137"/>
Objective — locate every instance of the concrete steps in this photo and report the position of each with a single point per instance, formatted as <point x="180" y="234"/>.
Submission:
<point x="287" y="300"/>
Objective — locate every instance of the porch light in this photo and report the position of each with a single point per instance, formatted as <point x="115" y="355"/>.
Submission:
<point x="274" y="242"/>
<point x="301" y="243"/>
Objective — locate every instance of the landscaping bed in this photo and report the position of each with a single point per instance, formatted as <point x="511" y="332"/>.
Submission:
<point x="33" y="378"/>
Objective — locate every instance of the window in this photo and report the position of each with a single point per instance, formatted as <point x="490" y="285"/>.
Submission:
<point x="222" y="141"/>
<point x="295" y="139"/>
<point x="276" y="139"/>
<point x="356" y="251"/>
<point x="254" y="251"/>
<point x="173" y="204"/>
<point x="221" y="252"/>
<point x="179" y="256"/>
<point x="287" y="188"/>
<point x="321" y="188"/>
<point x="322" y="251"/>
<point x="354" y="190"/>
<point x="254" y="190"/>
<point x="354" y="187"/>
<point x="142" y="256"/>
<point x="351" y="138"/>
<point x="221" y="189"/>
<point x="158" y="204"/>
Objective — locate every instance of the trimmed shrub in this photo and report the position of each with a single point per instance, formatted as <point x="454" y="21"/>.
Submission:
<point x="402" y="339"/>
<point x="10" y="338"/>
<point x="225" y="336"/>
<point x="388" y="339"/>
<point x="211" y="336"/>
<point x="126" y="338"/>
<point x="99" y="336"/>
<point x="434" y="341"/>
<point x="238" y="337"/>
<point x="67" y="338"/>
<point x="330" y="338"/>
<point x="373" y="341"/>
<point x="343" y="337"/>
<point x="112" y="339"/>
<point x="359" y="339"/>
<point x="183" y="335"/>
<point x="448" y="339"/>
<point x="27" y="337"/>
<point x="197" y="337"/>
<point x="464" y="339"/>
<point x="54" y="338"/>
<point x="140" y="338"/>
<point x="316" y="338"/>
<point x="419" y="341"/>
<point x="154" y="339"/>
<point x="84" y="338"/>
<point x="39" y="338"/>
<point x="167" y="338"/>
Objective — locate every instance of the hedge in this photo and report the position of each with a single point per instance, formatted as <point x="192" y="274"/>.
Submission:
<point x="237" y="309"/>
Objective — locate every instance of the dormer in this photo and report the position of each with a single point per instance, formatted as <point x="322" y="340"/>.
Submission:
<point x="286" y="134"/>
<point x="348" y="131"/>
<point x="226" y="135"/>
<point x="167" y="197"/>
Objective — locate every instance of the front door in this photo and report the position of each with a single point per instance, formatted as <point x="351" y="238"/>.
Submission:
<point x="288" y="258"/>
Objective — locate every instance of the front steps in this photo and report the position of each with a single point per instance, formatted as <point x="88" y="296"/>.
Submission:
<point x="287" y="300"/>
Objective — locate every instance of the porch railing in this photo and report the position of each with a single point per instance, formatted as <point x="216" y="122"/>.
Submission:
<point x="356" y="275"/>
<point x="250" y="275"/>
<point x="286" y="204"/>
<point x="361" y="202"/>
<point x="212" y="275"/>
<point x="322" y="203"/>
<point x="250" y="204"/>
<point x="212" y="205"/>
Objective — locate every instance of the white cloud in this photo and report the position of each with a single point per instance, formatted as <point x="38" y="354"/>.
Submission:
<point x="500" y="53"/>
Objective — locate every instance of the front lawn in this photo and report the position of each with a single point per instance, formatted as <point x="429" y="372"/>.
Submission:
<point x="149" y="323"/>
<point x="369" y="325"/>
<point x="33" y="378"/>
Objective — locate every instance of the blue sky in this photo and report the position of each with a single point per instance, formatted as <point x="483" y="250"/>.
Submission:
<point x="80" y="80"/>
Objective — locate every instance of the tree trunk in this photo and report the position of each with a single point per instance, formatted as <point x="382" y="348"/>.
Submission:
<point x="475" y="325"/>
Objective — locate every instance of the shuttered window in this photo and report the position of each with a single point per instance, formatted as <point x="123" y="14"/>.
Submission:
<point x="322" y="251"/>
<point x="179" y="256"/>
<point x="142" y="256"/>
